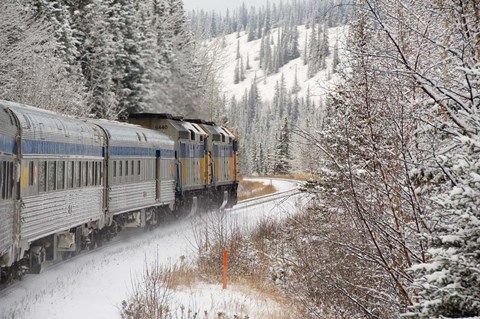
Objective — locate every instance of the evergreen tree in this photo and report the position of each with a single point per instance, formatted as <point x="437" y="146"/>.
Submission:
<point x="251" y="27"/>
<point x="236" y="73"/>
<point x="238" y="50"/>
<point x="242" y="69"/>
<point x="282" y="164"/>
<point x="261" y="55"/>
<point x="305" y="50"/>
<point x="253" y="102"/>
<point x="213" y="26"/>
<point x="336" y="59"/>
<point x="296" y="86"/>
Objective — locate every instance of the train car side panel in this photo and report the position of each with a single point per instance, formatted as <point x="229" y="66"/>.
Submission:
<point x="166" y="179"/>
<point x="46" y="214"/>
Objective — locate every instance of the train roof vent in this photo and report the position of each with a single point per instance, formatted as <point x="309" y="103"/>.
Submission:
<point x="200" y="121"/>
<point x="216" y="137"/>
<point x="154" y="116"/>
<point x="184" y="135"/>
<point x="197" y="121"/>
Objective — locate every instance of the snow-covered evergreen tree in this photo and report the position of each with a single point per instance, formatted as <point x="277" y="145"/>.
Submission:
<point x="282" y="159"/>
<point x="33" y="67"/>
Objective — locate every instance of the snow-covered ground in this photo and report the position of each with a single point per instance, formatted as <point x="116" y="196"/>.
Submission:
<point x="94" y="285"/>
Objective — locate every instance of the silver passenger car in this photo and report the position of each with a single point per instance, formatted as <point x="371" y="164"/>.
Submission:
<point x="141" y="169"/>
<point x="8" y="133"/>
<point x="59" y="156"/>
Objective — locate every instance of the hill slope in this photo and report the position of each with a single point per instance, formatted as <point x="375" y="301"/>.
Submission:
<point x="266" y="100"/>
<point x="318" y="84"/>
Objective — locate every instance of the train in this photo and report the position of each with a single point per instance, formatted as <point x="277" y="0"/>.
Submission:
<point x="69" y="184"/>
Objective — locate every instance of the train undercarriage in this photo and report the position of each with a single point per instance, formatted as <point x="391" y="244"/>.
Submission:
<point x="57" y="247"/>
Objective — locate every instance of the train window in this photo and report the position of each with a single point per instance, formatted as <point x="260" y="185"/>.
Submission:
<point x="3" y="178"/>
<point x="192" y="135"/>
<point x="114" y="168"/>
<point x="51" y="176"/>
<point x="132" y="169"/>
<point x="100" y="173"/>
<point x="60" y="175"/>
<point x="70" y="174"/>
<point x="120" y="168"/>
<point x="95" y="173"/>
<point x="90" y="173"/>
<point x="42" y="180"/>
<point x="6" y="178"/>
<point x="138" y="168"/>
<point x="10" y="180"/>
<point x="31" y="168"/>
<point x="78" y="174"/>
<point x="126" y="168"/>
<point x="84" y="173"/>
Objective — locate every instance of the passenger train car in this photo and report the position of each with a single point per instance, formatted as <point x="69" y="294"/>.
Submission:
<point x="69" y="184"/>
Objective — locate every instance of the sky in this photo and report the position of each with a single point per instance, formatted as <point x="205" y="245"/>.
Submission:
<point x="221" y="5"/>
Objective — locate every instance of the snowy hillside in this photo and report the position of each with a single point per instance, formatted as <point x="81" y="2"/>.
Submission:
<point x="318" y="84"/>
<point x="274" y="83"/>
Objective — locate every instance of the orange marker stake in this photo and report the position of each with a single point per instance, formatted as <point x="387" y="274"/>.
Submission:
<point x="225" y="255"/>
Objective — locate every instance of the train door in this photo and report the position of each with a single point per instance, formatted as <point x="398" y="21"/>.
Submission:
<point x="178" y="166"/>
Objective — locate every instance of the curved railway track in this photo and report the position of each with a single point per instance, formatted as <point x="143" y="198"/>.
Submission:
<point x="119" y="240"/>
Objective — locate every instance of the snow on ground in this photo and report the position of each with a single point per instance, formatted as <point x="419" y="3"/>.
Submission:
<point x="208" y="300"/>
<point x="319" y="85"/>
<point x="94" y="285"/>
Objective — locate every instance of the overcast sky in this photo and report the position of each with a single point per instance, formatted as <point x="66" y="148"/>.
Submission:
<point x="221" y="5"/>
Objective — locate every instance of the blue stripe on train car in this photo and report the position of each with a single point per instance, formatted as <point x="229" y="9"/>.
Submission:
<point x="140" y="151"/>
<point x="60" y="148"/>
<point x="7" y="145"/>
<point x="131" y="151"/>
<point x="191" y="151"/>
<point x="166" y="153"/>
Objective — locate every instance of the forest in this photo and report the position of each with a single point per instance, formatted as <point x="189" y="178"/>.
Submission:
<point x="96" y="58"/>
<point x="392" y="150"/>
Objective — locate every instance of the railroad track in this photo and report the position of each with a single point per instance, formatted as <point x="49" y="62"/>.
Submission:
<point x="118" y="240"/>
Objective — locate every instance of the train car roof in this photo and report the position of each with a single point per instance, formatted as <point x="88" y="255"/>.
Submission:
<point x="39" y="124"/>
<point x="217" y="130"/>
<point x="177" y="122"/>
<point x="125" y="134"/>
<point x="187" y="127"/>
